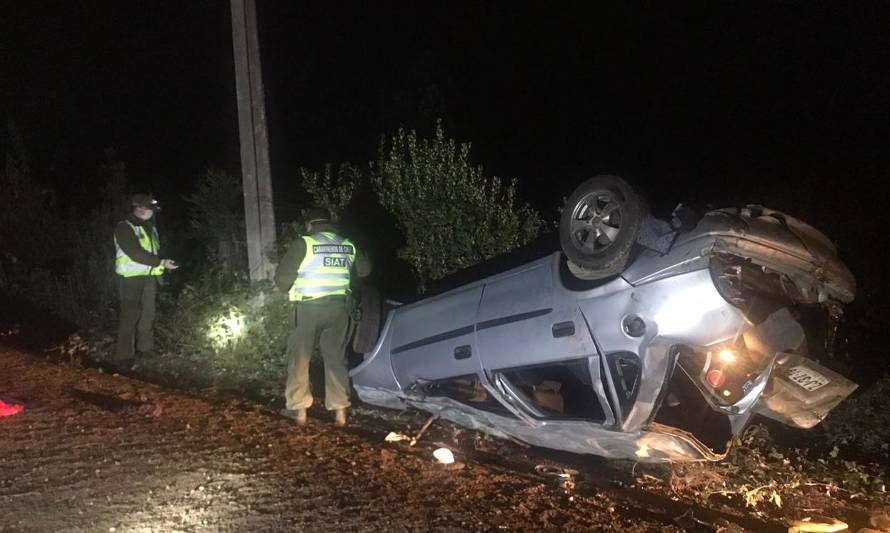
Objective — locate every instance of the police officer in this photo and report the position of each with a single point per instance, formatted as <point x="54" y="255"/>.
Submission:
<point x="316" y="272"/>
<point x="138" y="265"/>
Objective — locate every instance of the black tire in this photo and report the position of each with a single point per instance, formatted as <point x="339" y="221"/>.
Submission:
<point x="367" y="328"/>
<point x="599" y="225"/>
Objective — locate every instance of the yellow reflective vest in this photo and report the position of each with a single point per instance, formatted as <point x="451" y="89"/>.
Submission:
<point x="125" y="266"/>
<point x="325" y="269"/>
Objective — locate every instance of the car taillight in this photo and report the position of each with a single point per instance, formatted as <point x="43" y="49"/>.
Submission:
<point x="715" y="378"/>
<point x="725" y="372"/>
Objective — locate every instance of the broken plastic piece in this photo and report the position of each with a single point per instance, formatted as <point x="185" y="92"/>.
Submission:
<point x="396" y="437"/>
<point x="820" y="525"/>
<point x="444" y="456"/>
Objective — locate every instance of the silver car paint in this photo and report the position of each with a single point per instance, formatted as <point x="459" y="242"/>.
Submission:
<point x="508" y="320"/>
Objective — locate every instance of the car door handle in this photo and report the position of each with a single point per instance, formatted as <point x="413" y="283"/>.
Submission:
<point x="563" y="329"/>
<point x="463" y="352"/>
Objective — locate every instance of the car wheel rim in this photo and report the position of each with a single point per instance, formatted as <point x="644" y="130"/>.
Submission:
<point x="596" y="222"/>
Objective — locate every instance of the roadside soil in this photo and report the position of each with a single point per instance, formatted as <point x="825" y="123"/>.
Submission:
<point x="85" y="455"/>
<point x="95" y="451"/>
<point x="165" y="448"/>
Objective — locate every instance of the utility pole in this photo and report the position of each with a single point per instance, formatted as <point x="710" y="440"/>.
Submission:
<point x="259" y="212"/>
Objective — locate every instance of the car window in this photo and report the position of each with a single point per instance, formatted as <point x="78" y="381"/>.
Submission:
<point x="558" y="390"/>
<point x="468" y="390"/>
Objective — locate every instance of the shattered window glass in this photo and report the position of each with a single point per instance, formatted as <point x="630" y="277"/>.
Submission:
<point x="558" y="390"/>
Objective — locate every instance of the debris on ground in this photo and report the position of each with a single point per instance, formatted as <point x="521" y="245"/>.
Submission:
<point x="817" y="525"/>
<point x="396" y="437"/>
<point x="565" y="477"/>
<point x="444" y="456"/>
<point x="688" y="520"/>
<point x="423" y="430"/>
<point x="120" y="405"/>
<point x="557" y="471"/>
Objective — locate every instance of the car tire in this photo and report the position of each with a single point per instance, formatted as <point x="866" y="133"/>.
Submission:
<point x="367" y="328"/>
<point x="599" y="225"/>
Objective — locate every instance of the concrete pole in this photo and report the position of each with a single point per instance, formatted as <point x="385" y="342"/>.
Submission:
<point x="259" y="212"/>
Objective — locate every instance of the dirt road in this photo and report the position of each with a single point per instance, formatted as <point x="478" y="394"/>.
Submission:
<point x="101" y="452"/>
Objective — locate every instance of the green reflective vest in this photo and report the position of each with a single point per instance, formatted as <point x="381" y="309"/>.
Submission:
<point x="325" y="269"/>
<point x="125" y="266"/>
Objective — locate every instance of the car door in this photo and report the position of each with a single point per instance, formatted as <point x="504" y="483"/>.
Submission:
<point x="435" y="338"/>
<point x="535" y="345"/>
<point x="521" y="323"/>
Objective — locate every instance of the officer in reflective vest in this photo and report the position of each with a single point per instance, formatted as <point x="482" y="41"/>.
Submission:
<point x="316" y="272"/>
<point x="138" y="265"/>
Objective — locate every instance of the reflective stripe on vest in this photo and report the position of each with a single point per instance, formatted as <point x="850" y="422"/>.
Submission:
<point x="325" y="269"/>
<point x="126" y="266"/>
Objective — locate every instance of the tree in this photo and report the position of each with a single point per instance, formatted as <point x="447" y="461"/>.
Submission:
<point x="333" y="191"/>
<point x="452" y="215"/>
<point x="216" y="213"/>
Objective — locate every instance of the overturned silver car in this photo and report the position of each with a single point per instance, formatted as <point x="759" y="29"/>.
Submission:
<point x="641" y="339"/>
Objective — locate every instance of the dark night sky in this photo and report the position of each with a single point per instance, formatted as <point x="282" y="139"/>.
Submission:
<point x="783" y="103"/>
<point x="711" y="102"/>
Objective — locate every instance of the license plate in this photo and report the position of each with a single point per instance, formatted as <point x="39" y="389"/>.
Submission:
<point x="807" y="378"/>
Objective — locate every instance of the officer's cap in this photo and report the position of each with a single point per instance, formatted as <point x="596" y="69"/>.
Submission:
<point x="318" y="214"/>
<point x="145" y="200"/>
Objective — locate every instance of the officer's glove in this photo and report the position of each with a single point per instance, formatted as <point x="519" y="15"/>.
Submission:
<point x="169" y="264"/>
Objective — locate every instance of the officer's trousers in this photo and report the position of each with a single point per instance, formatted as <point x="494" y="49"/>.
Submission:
<point x="323" y="322"/>
<point x="137" y="315"/>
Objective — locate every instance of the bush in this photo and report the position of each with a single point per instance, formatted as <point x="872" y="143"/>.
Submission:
<point x="765" y="476"/>
<point x="452" y="215"/>
<point x="218" y="319"/>
<point x="333" y="191"/>
<point x="226" y="326"/>
<point x="862" y="423"/>
<point x="61" y="262"/>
